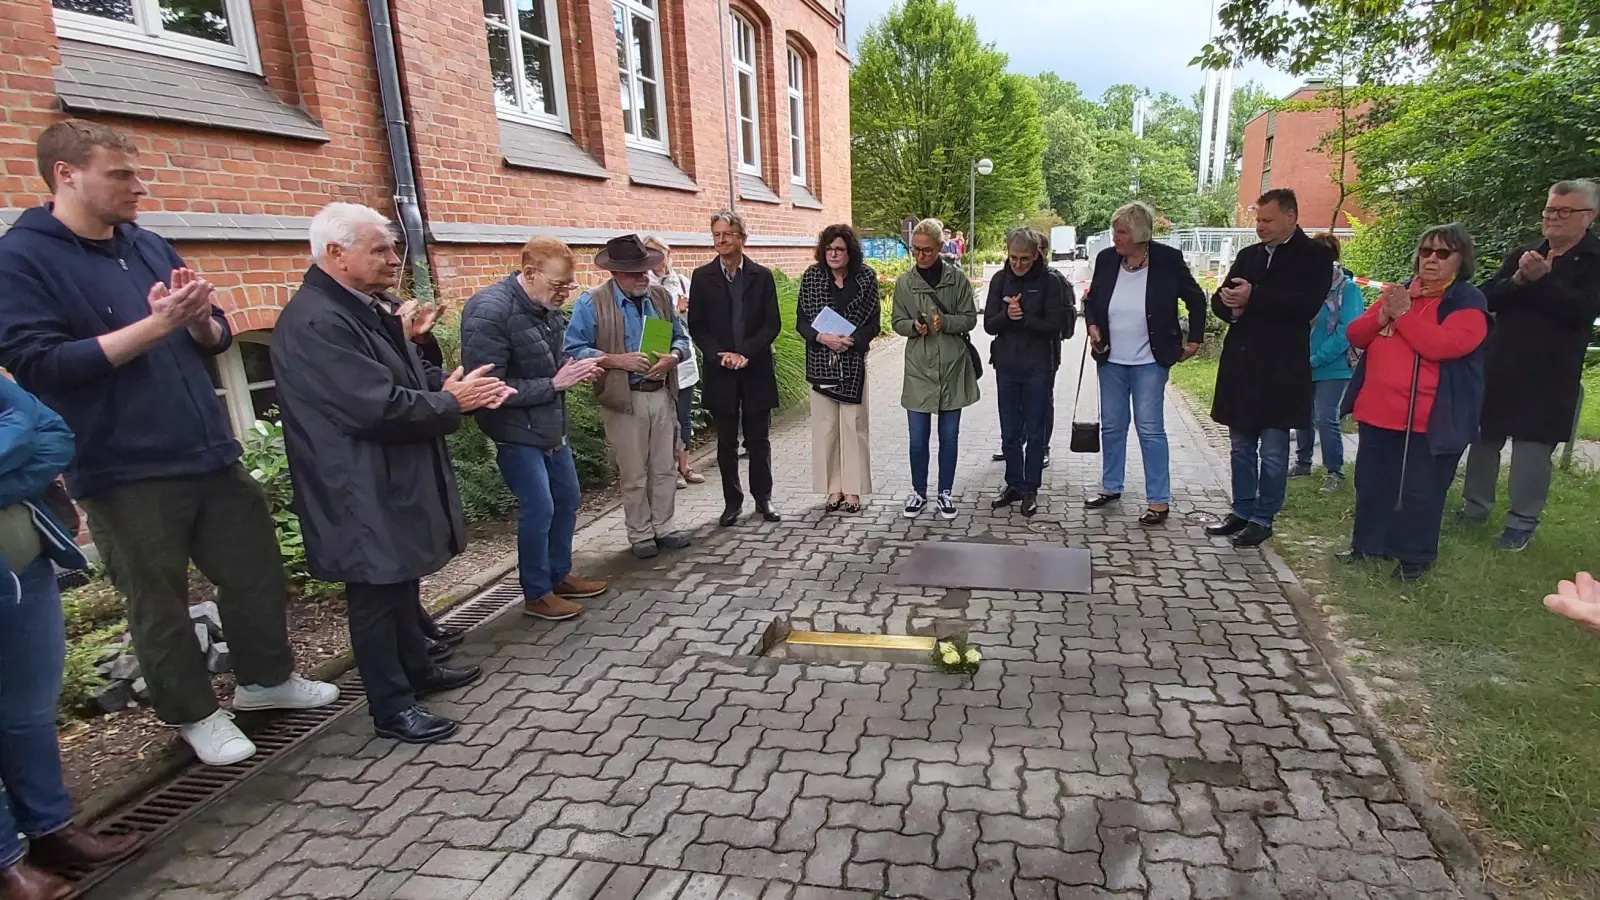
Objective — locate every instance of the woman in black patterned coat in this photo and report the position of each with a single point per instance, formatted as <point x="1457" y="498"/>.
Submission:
<point x="836" y="365"/>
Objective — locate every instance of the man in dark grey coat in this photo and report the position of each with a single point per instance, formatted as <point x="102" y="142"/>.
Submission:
<point x="364" y="422"/>
<point x="1268" y="299"/>
<point x="515" y="328"/>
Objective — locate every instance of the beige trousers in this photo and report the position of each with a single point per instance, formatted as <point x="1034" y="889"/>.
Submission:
<point x="642" y="443"/>
<point x="841" y="446"/>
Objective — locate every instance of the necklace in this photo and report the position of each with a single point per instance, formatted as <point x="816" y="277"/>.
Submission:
<point x="1131" y="266"/>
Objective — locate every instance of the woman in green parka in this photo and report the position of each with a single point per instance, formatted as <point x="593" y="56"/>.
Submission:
<point x="934" y="309"/>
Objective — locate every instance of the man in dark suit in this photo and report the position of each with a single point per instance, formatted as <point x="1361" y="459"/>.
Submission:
<point x="733" y="318"/>
<point x="1268" y="299"/>
<point x="364" y="426"/>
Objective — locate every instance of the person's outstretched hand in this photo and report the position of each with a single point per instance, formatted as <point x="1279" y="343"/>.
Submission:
<point x="1578" y="600"/>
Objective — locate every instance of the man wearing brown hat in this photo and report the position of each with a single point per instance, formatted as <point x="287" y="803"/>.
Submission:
<point x="638" y="392"/>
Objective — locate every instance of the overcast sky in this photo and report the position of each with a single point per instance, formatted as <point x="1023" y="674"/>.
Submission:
<point x="1096" y="43"/>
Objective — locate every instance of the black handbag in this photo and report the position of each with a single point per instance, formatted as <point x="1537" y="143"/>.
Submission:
<point x="60" y="505"/>
<point x="1085" y="435"/>
<point x="973" y="356"/>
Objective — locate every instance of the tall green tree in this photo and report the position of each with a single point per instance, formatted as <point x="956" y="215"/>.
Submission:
<point x="1127" y="168"/>
<point x="927" y="98"/>
<point x="1069" y="154"/>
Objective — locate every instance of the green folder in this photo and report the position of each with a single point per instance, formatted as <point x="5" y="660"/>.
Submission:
<point x="657" y="340"/>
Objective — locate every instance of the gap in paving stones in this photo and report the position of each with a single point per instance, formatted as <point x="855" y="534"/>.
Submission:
<point x="1173" y="733"/>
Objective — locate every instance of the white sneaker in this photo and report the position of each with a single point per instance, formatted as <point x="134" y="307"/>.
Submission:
<point x="296" y="693"/>
<point x="217" y="741"/>
<point x="947" y="506"/>
<point x="914" y="505"/>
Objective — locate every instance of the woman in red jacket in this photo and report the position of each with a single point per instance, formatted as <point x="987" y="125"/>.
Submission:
<point x="1417" y="395"/>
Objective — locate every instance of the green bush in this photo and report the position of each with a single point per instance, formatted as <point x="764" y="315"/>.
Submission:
<point x="79" y="679"/>
<point x="789" y="351"/>
<point x="268" y="464"/>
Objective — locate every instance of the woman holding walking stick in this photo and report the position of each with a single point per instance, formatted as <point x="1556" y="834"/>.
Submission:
<point x="1416" y="394"/>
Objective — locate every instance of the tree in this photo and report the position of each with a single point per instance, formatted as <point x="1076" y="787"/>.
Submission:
<point x="928" y="98"/>
<point x="1479" y="141"/>
<point x="1163" y="177"/>
<point x="1298" y="35"/>
<point x="1068" y="160"/>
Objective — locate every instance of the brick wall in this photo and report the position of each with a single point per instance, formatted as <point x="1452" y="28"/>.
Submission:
<point x="316" y="56"/>
<point x="1298" y="162"/>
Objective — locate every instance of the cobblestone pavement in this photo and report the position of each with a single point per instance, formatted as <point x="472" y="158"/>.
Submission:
<point x="1171" y="735"/>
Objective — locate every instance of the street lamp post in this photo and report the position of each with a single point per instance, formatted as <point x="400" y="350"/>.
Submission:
<point x="979" y="167"/>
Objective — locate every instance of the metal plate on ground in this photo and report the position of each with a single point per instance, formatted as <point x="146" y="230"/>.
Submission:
<point x="997" y="567"/>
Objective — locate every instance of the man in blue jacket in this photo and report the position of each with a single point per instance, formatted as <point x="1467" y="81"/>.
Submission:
<point x="103" y="322"/>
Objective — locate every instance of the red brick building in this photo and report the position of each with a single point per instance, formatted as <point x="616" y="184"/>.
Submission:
<point x="1284" y="149"/>
<point x="580" y="119"/>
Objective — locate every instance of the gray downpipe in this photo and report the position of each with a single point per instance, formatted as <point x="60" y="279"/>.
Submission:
<point x="407" y="204"/>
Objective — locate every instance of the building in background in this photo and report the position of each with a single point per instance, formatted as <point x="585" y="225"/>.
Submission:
<point x="1285" y="149"/>
<point x="579" y="119"/>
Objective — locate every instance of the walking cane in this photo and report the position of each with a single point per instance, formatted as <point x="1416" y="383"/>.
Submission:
<point x="1405" y="453"/>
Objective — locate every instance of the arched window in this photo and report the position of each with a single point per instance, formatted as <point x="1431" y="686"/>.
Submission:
<point x="525" y="61"/>
<point x="744" y="87"/>
<point x="797" y="116"/>
<point x="244" y="380"/>
<point x="638" y="27"/>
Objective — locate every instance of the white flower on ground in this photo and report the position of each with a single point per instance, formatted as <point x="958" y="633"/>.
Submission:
<point x="945" y="647"/>
<point x="951" y="658"/>
<point x="972" y="656"/>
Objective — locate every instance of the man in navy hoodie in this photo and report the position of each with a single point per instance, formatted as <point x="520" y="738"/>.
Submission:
<point x="102" y="321"/>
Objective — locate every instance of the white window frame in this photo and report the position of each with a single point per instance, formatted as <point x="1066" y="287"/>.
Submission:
<point x="146" y="35"/>
<point x="631" y="8"/>
<point x="524" y="111"/>
<point x="236" y="387"/>
<point x="797" y="116"/>
<point x="743" y="41"/>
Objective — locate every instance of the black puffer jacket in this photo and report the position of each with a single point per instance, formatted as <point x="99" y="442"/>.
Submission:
<point x="501" y="326"/>
<point x="1030" y="345"/>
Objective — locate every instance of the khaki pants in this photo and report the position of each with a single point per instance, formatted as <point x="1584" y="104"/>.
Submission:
<point x="643" y="442"/>
<point x="841" y="446"/>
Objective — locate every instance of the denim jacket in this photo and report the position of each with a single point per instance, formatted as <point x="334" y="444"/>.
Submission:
<point x="35" y="447"/>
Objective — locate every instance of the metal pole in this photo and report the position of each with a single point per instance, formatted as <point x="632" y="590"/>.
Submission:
<point x="972" y="212"/>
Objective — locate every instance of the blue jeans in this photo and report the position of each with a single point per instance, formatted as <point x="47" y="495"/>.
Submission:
<point x="949" y="447"/>
<point x="1260" y="473"/>
<point x="1324" y="426"/>
<point x="546" y="485"/>
<point x="33" y="651"/>
<point x="1024" y="426"/>
<point x="1141" y="389"/>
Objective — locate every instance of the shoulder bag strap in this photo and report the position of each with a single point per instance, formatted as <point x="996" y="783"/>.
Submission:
<point x="1078" y="391"/>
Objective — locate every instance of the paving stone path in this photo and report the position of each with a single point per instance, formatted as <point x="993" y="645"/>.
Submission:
<point x="1172" y="735"/>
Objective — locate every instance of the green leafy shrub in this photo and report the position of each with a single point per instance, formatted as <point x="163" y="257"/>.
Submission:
<point x="789" y="351"/>
<point x="79" y="679"/>
<point x="268" y="464"/>
<point x="93" y="606"/>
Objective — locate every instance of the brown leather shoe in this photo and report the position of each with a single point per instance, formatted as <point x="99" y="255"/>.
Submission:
<point x="23" y="882"/>
<point x="78" y="848"/>
<point x="573" y="588"/>
<point x="551" y="608"/>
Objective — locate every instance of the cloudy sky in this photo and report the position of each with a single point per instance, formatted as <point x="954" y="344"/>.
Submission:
<point x="1096" y="43"/>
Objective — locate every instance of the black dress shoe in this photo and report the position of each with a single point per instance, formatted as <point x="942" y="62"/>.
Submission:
<point x="730" y="516"/>
<point x="416" y="726"/>
<point x="448" y="635"/>
<point x="999" y="457"/>
<point x="1353" y="556"/>
<point x="769" y="513"/>
<point x="1252" y="535"/>
<point x="1101" y="500"/>
<point x="1228" y="527"/>
<point x="1030" y="505"/>
<point x="445" y="679"/>
<point x="1409" y="571"/>
<point x="438" y="651"/>
<point x="1046" y="460"/>
<point x="1007" y="497"/>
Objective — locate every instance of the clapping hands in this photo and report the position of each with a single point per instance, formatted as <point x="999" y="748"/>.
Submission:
<point x="477" y="389"/>
<point x="185" y="304"/>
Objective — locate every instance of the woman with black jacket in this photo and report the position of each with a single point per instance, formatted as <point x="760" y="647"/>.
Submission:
<point x="1135" y="335"/>
<point x="836" y="365"/>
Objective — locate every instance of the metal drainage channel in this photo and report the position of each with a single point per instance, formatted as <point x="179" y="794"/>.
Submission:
<point x="162" y="809"/>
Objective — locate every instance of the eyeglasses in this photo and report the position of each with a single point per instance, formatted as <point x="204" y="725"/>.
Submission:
<point x="1565" y="212"/>
<point x="1439" y="252"/>
<point x="838" y="250"/>
<point x="924" y="251"/>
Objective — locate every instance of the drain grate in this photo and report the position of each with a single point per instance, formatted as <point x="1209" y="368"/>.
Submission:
<point x="194" y="788"/>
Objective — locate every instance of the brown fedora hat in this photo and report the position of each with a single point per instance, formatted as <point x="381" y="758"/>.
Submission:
<point x="627" y="254"/>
